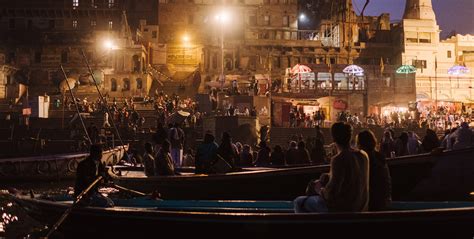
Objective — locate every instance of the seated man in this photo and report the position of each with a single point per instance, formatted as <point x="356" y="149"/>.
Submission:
<point x="163" y="162"/>
<point x="347" y="189"/>
<point x="88" y="170"/>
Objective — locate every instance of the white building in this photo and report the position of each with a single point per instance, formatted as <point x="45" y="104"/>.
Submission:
<point x="421" y="46"/>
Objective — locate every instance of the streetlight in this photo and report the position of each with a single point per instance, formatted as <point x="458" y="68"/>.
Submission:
<point x="223" y="17"/>
<point x="185" y="43"/>
<point x="302" y="17"/>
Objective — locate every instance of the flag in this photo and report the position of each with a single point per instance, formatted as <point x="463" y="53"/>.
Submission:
<point x="382" y="66"/>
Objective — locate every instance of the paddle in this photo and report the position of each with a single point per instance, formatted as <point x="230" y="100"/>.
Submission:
<point x="68" y="211"/>
<point x="129" y="190"/>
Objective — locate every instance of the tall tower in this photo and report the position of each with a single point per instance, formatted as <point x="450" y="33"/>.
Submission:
<point x="419" y="9"/>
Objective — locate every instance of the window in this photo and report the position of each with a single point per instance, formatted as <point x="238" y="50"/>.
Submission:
<point x="126" y="84"/>
<point x="419" y="64"/>
<point x="75" y="3"/>
<point x="111" y="24"/>
<point x="11" y="23"/>
<point x="154" y="34"/>
<point x="93" y="23"/>
<point x="449" y="54"/>
<point x="266" y="20"/>
<point x="424" y="37"/>
<point x="113" y="83"/>
<point x="37" y="57"/>
<point x="111" y="3"/>
<point x="286" y="21"/>
<point x="139" y="83"/>
<point x="64" y="57"/>
<point x="411" y="37"/>
<point x="74" y="24"/>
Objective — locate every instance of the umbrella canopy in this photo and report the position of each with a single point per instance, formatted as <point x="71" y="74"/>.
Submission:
<point x="458" y="70"/>
<point x="406" y="69"/>
<point x="300" y="69"/>
<point x="63" y="86"/>
<point x="353" y="70"/>
<point x="177" y="117"/>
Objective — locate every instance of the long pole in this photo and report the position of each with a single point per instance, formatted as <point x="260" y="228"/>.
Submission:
<point x="77" y="107"/>
<point x="68" y="211"/>
<point x="101" y="96"/>
<point x="222" y="78"/>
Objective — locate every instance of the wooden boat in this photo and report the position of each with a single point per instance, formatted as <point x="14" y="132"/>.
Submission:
<point x="243" y="218"/>
<point x="285" y="184"/>
<point x="51" y="167"/>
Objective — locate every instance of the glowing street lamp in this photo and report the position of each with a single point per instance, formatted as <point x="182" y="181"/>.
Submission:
<point x="186" y="40"/>
<point x="302" y="17"/>
<point x="109" y="44"/>
<point x="222" y="18"/>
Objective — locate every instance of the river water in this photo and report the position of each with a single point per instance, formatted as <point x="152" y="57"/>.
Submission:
<point x="15" y="223"/>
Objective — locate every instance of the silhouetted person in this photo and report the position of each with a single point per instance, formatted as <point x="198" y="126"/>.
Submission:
<point x="380" y="181"/>
<point x="88" y="170"/>
<point x="278" y="157"/>
<point x="430" y="141"/>
<point x="303" y="154"/>
<point x="263" y="156"/>
<point x="206" y="154"/>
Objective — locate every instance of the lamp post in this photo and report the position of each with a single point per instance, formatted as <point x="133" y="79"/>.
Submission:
<point x="222" y="19"/>
<point x="185" y="43"/>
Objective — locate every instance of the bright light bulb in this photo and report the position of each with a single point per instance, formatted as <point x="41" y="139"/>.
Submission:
<point x="302" y="17"/>
<point x="109" y="44"/>
<point x="186" y="38"/>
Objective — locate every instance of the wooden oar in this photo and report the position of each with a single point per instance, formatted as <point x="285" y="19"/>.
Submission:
<point x="129" y="190"/>
<point x="68" y="211"/>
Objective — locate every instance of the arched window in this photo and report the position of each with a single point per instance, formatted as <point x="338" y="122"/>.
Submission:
<point x="139" y="83"/>
<point x="126" y="84"/>
<point x="136" y="63"/>
<point x="113" y="83"/>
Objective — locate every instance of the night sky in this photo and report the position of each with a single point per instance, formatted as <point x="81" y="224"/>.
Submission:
<point x="451" y="14"/>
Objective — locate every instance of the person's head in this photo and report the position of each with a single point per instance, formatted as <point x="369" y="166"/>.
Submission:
<point x="387" y="135"/>
<point x="293" y="145"/>
<point x="246" y="148"/>
<point x="341" y="134"/>
<point x="431" y="133"/>
<point x="366" y="140"/>
<point x="208" y="138"/>
<point x="148" y="147"/>
<point x="226" y="137"/>
<point x="96" y="152"/>
<point x="301" y="145"/>
<point x="262" y="144"/>
<point x="277" y="148"/>
<point x="464" y="125"/>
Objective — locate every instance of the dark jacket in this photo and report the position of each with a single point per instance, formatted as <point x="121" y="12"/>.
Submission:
<point x="278" y="158"/>
<point x="205" y="156"/>
<point x="164" y="164"/>
<point x="263" y="157"/>
<point x="87" y="171"/>
<point x="380" y="182"/>
<point x="292" y="156"/>
<point x="303" y="156"/>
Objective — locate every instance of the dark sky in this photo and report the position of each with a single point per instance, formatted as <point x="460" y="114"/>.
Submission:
<point x="451" y="14"/>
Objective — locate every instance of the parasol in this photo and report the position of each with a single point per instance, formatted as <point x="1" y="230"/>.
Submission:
<point x="353" y="70"/>
<point x="300" y="69"/>
<point x="63" y="86"/>
<point x="458" y="70"/>
<point x="406" y="69"/>
<point x="177" y="117"/>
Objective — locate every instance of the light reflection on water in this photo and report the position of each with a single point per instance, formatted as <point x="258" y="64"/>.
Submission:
<point x="14" y="221"/>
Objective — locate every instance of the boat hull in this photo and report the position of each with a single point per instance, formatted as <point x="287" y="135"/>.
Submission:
<point x="126" y="222"/>
<point x="50" y="168"/>
<point x="282" y="184"/>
